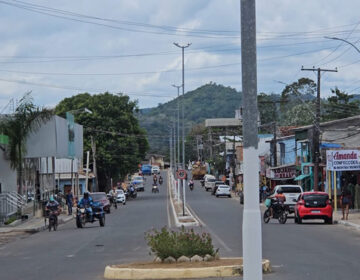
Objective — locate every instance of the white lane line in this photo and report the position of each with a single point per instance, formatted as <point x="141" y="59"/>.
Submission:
<point x="222" y="243"/>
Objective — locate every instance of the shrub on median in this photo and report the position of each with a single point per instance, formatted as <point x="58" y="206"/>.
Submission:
<point x="186" y="242"/>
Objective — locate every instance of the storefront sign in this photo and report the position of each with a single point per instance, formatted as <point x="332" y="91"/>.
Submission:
<point x="284" y="173"/>
<point x="342" y="160"/>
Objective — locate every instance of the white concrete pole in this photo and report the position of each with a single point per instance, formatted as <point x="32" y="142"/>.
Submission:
<point x="184" y="200"/>
<point x="178" y="189"/>
<point x="252" y="242"/>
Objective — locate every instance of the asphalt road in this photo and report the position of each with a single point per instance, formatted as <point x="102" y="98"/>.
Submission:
<point x="308" y="251"/>
<point x="72" y="253"/>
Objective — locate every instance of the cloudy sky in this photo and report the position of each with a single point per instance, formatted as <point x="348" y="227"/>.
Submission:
<point x="59" y="48"/>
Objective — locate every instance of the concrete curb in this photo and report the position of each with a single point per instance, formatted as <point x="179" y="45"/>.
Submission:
<point x="40" y="228"/>
<point x="177" y="219"/>
<point x="178" y="273"/>
<point x="347" y="223"/>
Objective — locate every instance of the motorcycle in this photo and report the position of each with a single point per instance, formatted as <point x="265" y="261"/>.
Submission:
<point x="160" y="181"/>
<point x="279" y="213"/>
<point x="53" y="219"/>
<point x="133" y="193"/>
<point x="155" y="189"/>
<point x="202" y="182"/>
<point x="83" y="216"/>
<point x="113" y="201"/>
<point x="191" y="186"/>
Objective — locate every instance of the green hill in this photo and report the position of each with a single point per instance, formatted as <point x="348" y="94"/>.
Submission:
<point x="208" y="101"/>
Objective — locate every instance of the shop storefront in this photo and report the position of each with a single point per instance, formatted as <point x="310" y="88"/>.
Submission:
<point x="305" y="178"/>
<point x="281" y="175"/>
<point x="343" y="171"/>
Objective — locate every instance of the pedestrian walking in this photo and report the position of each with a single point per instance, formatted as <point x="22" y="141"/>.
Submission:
<point x="69" y="201"/>
<point x="345" y="202"/>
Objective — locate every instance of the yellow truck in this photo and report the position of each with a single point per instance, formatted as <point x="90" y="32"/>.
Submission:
<point x="198" y="171"/>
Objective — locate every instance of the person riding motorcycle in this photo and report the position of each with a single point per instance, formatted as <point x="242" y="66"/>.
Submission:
<point x="155" y="178"/>
<point x="53" y="206"/>
<point x="160" y="180"/>
<point x="191" y="184"/>
<point x="279" y="198"/>
<point x="87" y="203"/>
<point x="113" y="195"/>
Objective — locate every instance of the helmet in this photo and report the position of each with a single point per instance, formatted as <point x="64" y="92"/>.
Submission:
<point x="86" y="195"/>
<point x="279" y="191"/>
<point x="52" y="198"/>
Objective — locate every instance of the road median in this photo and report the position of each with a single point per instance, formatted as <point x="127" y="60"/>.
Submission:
<point x="227" y="267"/>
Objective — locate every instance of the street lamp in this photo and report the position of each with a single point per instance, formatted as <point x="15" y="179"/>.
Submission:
<point x="339" y="39"/>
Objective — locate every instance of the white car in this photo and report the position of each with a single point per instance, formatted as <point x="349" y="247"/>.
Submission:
<point x="121" y="198"/>
<point x="155" y="170"/>
<point x="291" y="192"/>
<point x="209" y="182"/>
<point x="223" y="190"/>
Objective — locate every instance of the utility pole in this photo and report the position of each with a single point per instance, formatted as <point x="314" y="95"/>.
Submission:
<point x="182" y="111"/>
<point x="93" y="148"/>
<point x="252" y="239"/>
<point x="170" y="150"/>
<point x="178" y="123"/>
<point x="316" y="127"/>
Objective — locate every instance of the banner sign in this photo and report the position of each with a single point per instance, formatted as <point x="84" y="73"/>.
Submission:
<point x="342" y="160"/>
<point x="284" y="173"/>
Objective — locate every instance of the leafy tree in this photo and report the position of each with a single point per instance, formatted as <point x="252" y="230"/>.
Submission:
<point x="301" y="114"/>
<point x="18" y="126"/>
<point x="120" y="142"/>
<point x="341" y="105"/>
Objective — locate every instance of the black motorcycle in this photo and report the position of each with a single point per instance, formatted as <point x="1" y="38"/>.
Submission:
<point x="160" y="181"/>
<point x="155" y="189"/>
<point x="279" y="212"/>
<point x="202" y="182"/>
<point x="191" y="186"/>
<point x="83" y="216"/>
<point x="113" y="201"/>
<point x="53" y="219"/>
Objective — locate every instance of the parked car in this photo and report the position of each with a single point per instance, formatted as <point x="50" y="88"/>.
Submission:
<point x="313" y="205"/>
<point x="121" y="198"/>
<point x="102" y="198"/>
<point x="223" y="190"/>
<point x="155" y="169"/>
<point x="209" y="182"/>
<point x="138" y="183"/>
<point x="146" y="169"/>
<point x="217" y="184"/>
<point x="291" y="192"/>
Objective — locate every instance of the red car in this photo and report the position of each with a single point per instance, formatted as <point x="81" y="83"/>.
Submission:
<point x="313" y="205"/>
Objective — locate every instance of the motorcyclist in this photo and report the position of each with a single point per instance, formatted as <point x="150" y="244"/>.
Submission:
<point x="191" y="184"/>
<point x="155" y="178"/>
<point x="160" y="180"/>
<point x="132" y="190"/>
<point x="53" y="206"/>
<point x="278" y="199"/>
<point x="113" y="195"/>
<point x="86" y="201"/>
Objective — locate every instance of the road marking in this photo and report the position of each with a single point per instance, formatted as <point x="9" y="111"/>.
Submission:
<point x="137" y="248"/>
<point x="70" y="256"/>
<point x="210" y="231"/>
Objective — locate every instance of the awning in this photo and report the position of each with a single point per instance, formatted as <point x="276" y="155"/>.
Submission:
<point x="301" y="177"/>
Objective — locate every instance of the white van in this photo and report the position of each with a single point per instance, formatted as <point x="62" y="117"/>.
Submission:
<point x="291" y="192"/>
<point x="209" y="182"/>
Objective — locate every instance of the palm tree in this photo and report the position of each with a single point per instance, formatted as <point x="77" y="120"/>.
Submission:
<point x="18" y="126"/>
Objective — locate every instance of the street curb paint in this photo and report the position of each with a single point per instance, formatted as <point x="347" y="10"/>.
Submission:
<point x="179" y="273"/>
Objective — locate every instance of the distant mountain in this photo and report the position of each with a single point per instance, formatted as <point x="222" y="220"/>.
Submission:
<point x="208" y="101"/>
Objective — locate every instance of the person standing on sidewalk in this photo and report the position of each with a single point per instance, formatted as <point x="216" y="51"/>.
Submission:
<point x="69" y="201"/>
<point x="345" y="202"/>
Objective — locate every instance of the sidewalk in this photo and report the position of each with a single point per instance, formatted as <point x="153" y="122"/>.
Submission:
<point x="33" y="225"/>
<point x="353" y="221"/>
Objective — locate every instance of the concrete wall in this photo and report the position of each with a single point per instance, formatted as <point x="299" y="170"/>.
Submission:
<point x="7" y="175"/>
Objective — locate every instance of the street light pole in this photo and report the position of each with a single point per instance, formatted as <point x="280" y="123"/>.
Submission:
<point x="178" y="123"/>
<point x="182" y="110"/>
<point x="339" y="39"/>
<point x="252" y="242"/>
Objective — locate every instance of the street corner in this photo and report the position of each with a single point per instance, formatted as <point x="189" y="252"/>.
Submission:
<point x="227" y="267"/>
